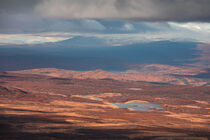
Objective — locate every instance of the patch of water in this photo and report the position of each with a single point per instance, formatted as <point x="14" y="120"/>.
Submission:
<point x="132" y="105"/>
<point x="93" y="98"/>
<point x="135" y="89"/>
<point x="138" y="106"/>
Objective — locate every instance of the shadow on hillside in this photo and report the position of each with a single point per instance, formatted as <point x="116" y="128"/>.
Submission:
<point x="11" y="128"/>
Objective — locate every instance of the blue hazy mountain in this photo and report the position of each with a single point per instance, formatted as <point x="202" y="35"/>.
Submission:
<point x="81" y="41"/>
<point x="93" y="53"/>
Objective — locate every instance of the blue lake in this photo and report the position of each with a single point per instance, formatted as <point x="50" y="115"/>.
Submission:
<point x="138" y="106"/>
<point x="93" y="98"/>
<point x="132" y="105"/>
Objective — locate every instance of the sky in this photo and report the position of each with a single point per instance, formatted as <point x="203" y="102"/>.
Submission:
<point x="124" y="21"/>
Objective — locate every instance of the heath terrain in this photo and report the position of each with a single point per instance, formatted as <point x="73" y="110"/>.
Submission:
<point x="46" y="106"/>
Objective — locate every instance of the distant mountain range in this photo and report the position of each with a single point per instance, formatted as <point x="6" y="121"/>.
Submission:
<point x="78" y="41"/>
<point x="90" y="53"/>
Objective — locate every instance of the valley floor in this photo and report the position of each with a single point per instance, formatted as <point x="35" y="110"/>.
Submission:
<point x="45" y="107"/>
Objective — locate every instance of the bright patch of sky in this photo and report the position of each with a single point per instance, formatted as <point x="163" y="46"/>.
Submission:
<point x="128" y="27"/>
<point x="28" y="39"/>
<point x="199" y="27"/>
<point x="116" y="33"/>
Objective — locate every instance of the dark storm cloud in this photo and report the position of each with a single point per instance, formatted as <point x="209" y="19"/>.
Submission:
<point x="138" y="10"/>
<point x="17" y="6"/>
<point x="149" y="10"/>
<point x="36" y="15"/>
<point x="16" y="16"/>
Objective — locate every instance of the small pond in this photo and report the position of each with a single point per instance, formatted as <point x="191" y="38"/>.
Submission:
<point x="138" y="106"/>
<point x="132" y="105"/>
<point x="90" y="97"/>
<point x="135" y="89"/>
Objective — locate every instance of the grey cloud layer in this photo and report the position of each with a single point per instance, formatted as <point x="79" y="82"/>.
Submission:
<point x="138" y="10"/>
<point x="29" y="16"/>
